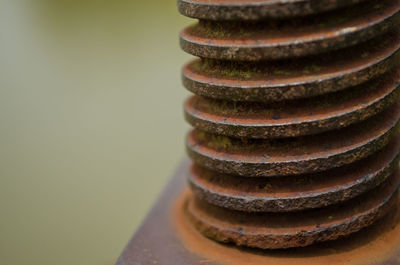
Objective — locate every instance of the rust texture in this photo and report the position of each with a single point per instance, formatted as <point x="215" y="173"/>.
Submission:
<point x="296" y="118"/>
<point x="168" y="237"/>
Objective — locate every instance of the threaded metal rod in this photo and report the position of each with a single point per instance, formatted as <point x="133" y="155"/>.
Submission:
<point x="295" y="118"/>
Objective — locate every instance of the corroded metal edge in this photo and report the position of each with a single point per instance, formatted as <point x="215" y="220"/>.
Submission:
<point x="277" y="195"/>
<point x="241" y="120"/>
<point x="244" y="75"/>
<point x="231" y="83"/>
<point x="201" y="40"/>
<point x="295" y="229"/>
<point x="159" y="241"/>
<point x="254" y="10"/>
<point x="232" y="156"/>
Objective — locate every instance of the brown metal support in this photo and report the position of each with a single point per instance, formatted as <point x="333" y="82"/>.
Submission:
<point x="167" y="237"/>
<point x="295" y="147"/>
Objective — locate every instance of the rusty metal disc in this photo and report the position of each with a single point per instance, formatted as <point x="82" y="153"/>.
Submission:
<point x="294" y="118"/>
<point x="291" y="156"/>
<point x="281" y="39"/>
<point x="277" y="81"/>
<point x="257" y="9"/>
<point x="167" y="237"/>
<point x="286" y="230"/>
<point x="294" y="193"/>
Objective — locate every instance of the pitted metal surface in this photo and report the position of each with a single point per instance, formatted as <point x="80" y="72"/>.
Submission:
<point x="257" y="9"/>
<point x="270" y="81"/>
<point x="292" y="156"/>
<point x="295" y="193"/>
<point x="292" y="38"/>
<point x="295" y="116"/>
<point x="273" y="231"/>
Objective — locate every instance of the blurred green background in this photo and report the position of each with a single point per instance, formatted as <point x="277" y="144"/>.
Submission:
<point x="91" y="124"/>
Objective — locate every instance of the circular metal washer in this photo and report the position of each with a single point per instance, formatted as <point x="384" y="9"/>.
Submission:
<point x="256" y="9"/>
<point x="287" y="230"/>
<point x="281" y="40"/>
<point x="294" y="193"/>
<point x="278" y="81"/>
<point x="294" y="118"/>
<point x="292" y="156"/>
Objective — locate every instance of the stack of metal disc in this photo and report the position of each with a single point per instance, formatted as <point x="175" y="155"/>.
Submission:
<point x="295" y="118"/>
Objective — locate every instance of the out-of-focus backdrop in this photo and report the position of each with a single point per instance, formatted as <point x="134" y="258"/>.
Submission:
<point x="91" y="124"/>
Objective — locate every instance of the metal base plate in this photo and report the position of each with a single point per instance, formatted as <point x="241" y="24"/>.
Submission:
<point x="167" y="237"/>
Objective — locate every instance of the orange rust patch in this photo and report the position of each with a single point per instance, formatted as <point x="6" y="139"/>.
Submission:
<point x="369" y="246"/>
